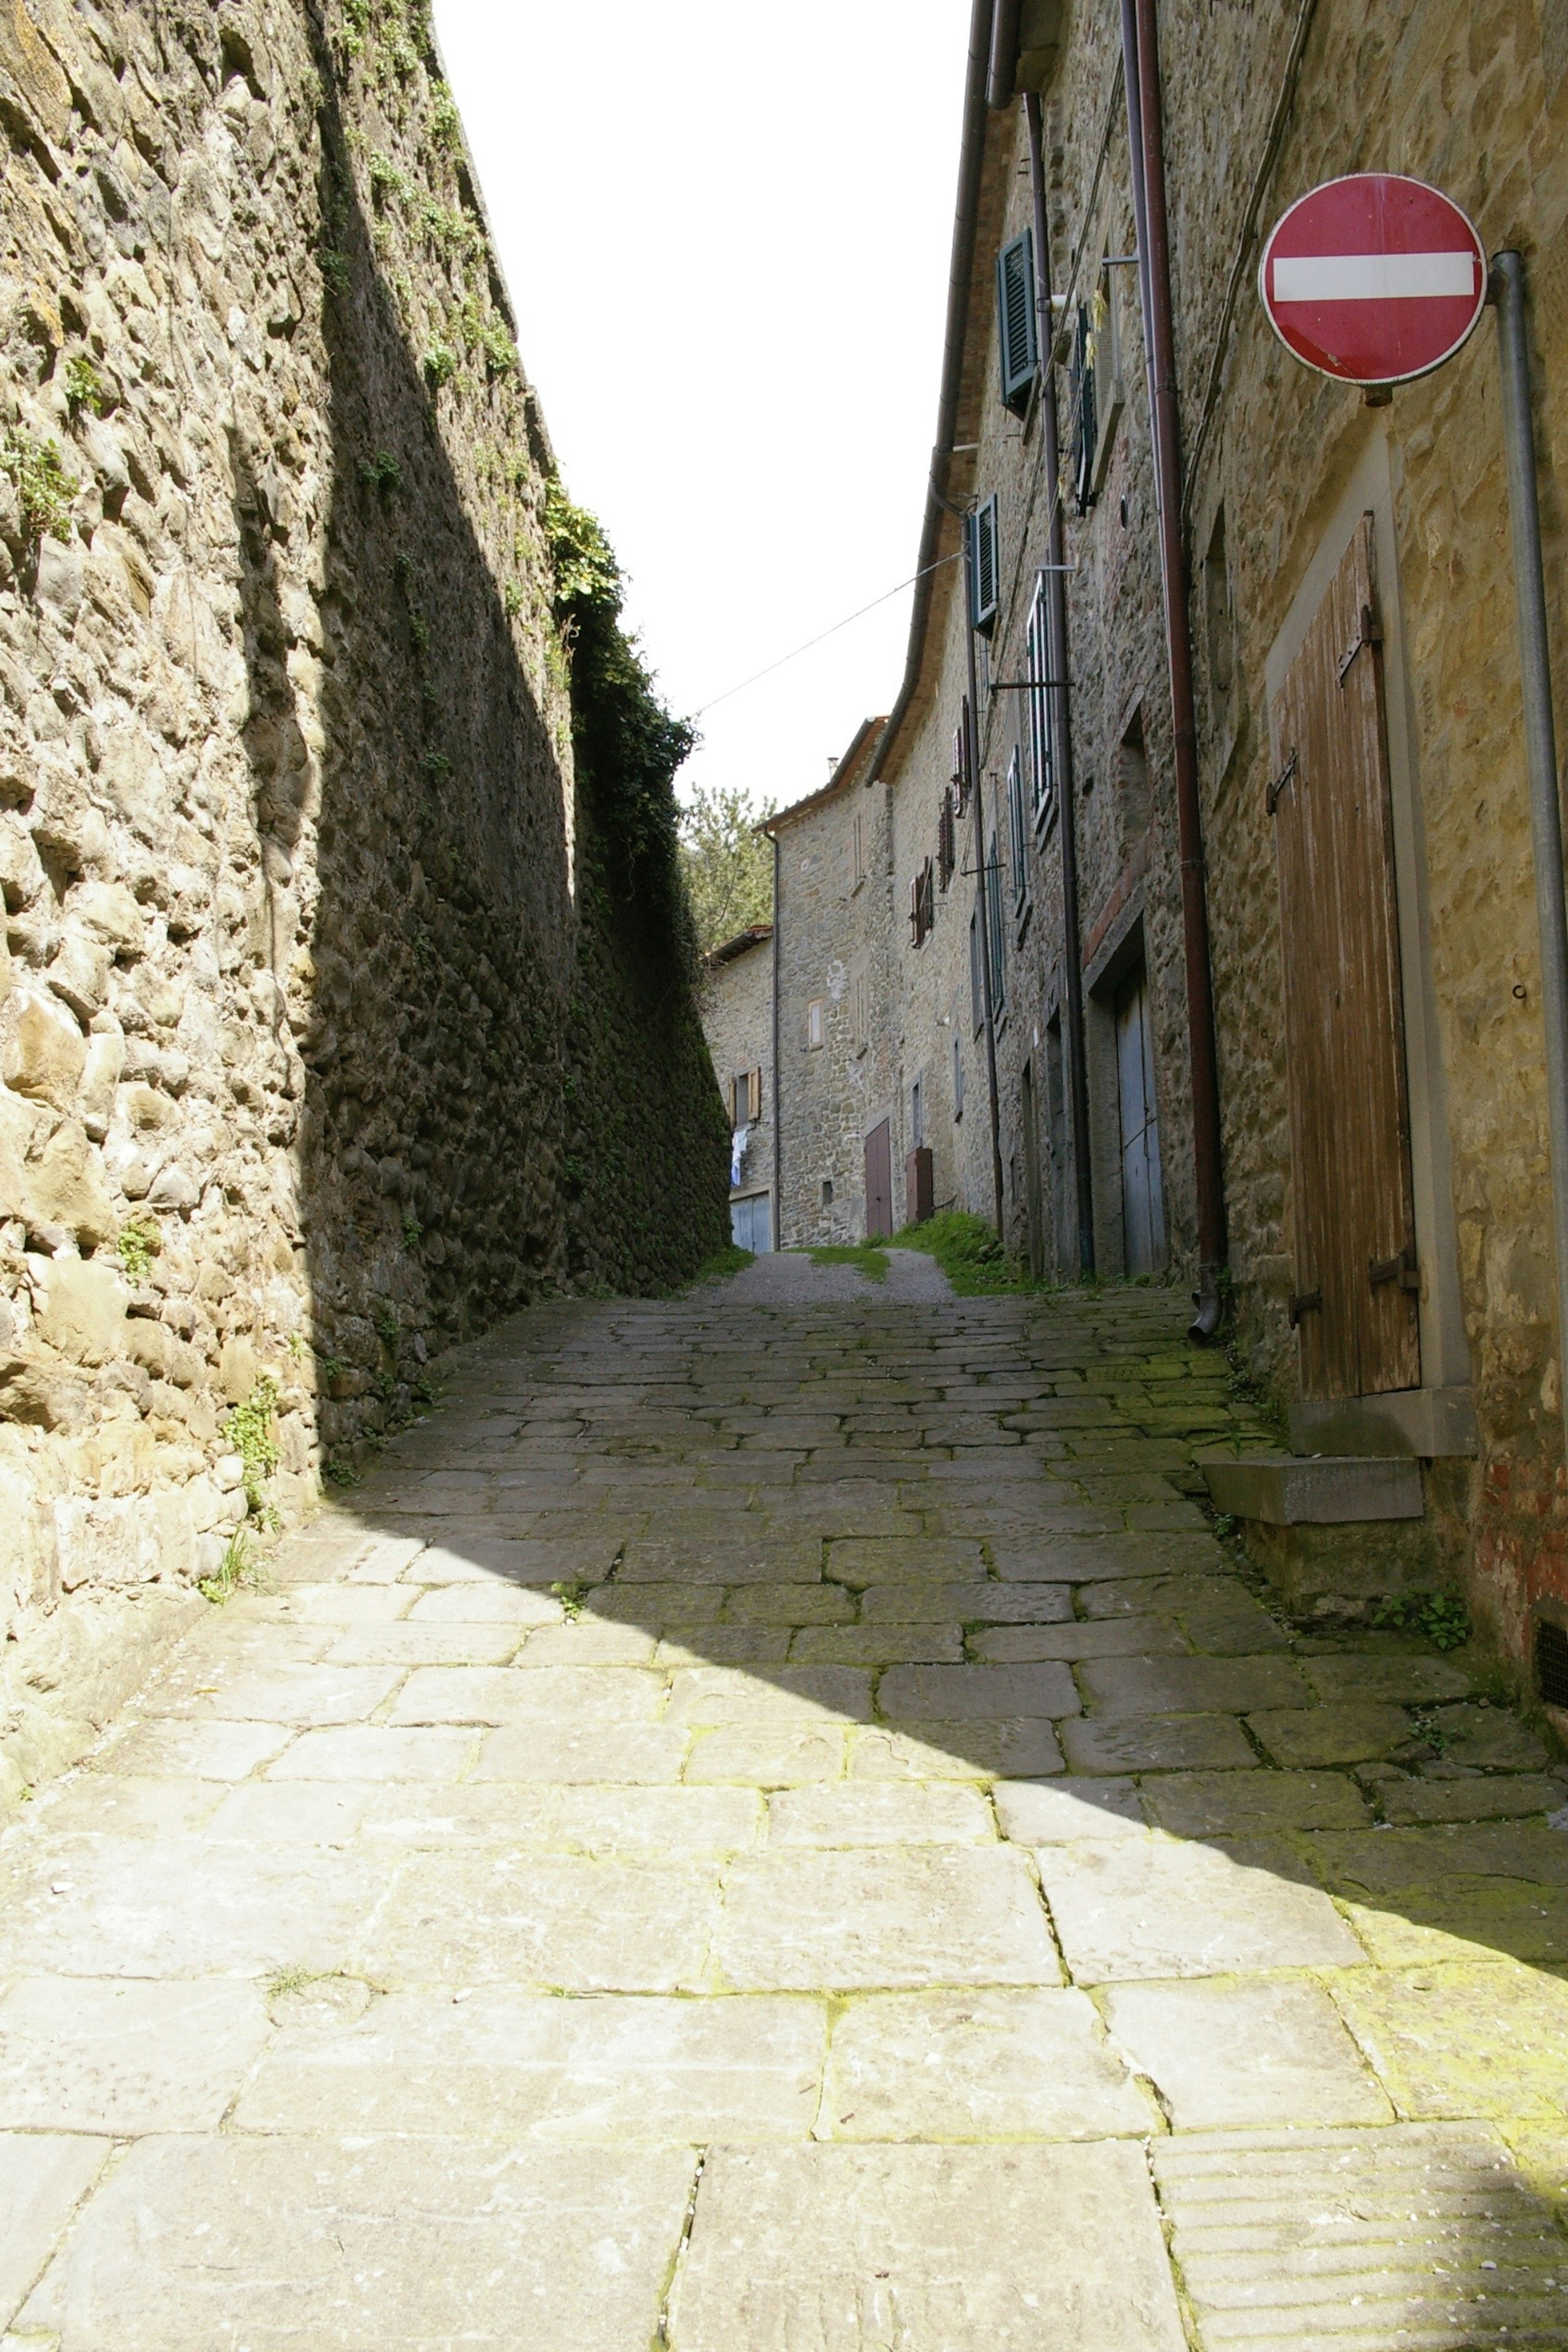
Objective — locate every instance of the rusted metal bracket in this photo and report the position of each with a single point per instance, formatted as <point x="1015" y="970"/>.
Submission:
<point x="1405" y="1269"/>
<point x="1287" y="776"/>
<point x="1371" y="634"/>
<point x="1305" y="1302"/>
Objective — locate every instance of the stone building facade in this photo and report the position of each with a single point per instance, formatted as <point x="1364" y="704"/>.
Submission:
<point x="1294" y="492"/>
<point x="837" y="1085"/>
<point x="343" y="1003"/>
<point x="736" y="1001"/>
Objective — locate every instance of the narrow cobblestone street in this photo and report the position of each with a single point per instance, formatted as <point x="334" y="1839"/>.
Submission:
<point x="778" y="1828"/>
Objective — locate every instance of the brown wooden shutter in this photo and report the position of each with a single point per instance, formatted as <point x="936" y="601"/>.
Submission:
<point x="1356" y="1277"/>
<point x="754" y="1092"/>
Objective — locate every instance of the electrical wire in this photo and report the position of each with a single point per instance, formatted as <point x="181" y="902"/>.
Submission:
<point x="757" y="675"/>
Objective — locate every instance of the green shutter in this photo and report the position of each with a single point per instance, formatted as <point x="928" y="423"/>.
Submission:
<point x="983" y="569"/>
<point x="1018" y="337"/>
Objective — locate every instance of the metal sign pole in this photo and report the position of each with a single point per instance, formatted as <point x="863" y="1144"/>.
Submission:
<point x="1540" y="750"/>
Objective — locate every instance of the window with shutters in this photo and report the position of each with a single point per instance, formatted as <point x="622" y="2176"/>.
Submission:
<point x="1105" y="326"/>
<point x="1017" y="327"/>
<point x="993" y="926"/>
<point x="1082" y="440"/>
<point x="1017" y="830"/>
<point x="1036" y="671"/>
<point x="984" y="568"/>
<point x="946" y="841"/>
<point x="1356" y="1300"/>
<point x="816" y="1023"/>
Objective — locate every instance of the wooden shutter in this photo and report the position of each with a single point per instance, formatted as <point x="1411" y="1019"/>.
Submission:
<point x="754" y="1093"/>
<point x="1356" y="1277"/>
<point x="1083" y="420"/>
<point x="984" y="568"/>
<point x="1016" y="332"/>
<point x="946" y="841"/>
<point x="961" y="765"/>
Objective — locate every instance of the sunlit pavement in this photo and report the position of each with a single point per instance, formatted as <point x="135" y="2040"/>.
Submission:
<point x="777" y="1828"/>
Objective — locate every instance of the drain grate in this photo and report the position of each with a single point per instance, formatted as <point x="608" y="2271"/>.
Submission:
<point x="1552" y="1663"/>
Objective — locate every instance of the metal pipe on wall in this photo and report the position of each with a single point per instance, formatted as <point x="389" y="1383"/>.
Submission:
<point x="778" y="1122"/>
<point x="1540" y="748"/>
<point x="1146" y="137"/>
<point x="1061" y="715"/>
<point x="971" y="752"/>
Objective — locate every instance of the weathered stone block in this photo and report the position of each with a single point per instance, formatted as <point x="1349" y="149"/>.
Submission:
<point x="42" y="1051"/>
<point x="67" y="1186"/>
<point x="83" y="1315"/>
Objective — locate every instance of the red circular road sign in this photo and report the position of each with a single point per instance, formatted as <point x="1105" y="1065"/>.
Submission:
<point x="1375" y="279"/>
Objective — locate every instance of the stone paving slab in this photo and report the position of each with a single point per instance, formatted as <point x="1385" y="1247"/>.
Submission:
<point x="273" y="2243"/>
<point x="504" y="2064"/>
<point x="840" y="2249"/>
<point x="1361" y="2241"/>
<point x="43" y="2177"/>
<point x="901" y="1828"/>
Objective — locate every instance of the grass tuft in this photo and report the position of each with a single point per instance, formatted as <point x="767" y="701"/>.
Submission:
<point x="866" y="1258"/>
<point x="969" y="1252"/>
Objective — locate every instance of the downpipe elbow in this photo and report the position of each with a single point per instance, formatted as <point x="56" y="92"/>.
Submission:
<point x="1209" y="1299"/>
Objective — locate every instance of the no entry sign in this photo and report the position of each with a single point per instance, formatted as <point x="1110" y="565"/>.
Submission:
<point x="1375" y="279"/>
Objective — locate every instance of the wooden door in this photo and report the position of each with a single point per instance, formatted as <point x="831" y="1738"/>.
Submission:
<point x="1142" y="1187"/>
<point x="1356" y="1277"/>
<point x="878" y="1184"/>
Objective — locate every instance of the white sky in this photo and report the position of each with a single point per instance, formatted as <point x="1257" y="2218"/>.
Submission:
<point x="726" y="231"/>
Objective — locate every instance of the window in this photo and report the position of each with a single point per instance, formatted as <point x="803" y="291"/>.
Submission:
<point x="923" y="904"/>
<point x="984" y="568"/>
<point x="1017" y="336"/>
<point x="1037" y="669"/>
<point x="1017" y="830"/>
<point x="1105" y="320"/>
<point x="1132" y="780"/>
<point x="816" y="1023"/>
<point x="857" y="845"/>
<point x="957" y="1079"/>
<point x="827" y="1192"/>
<point x="746" y="1097"/>
<point x="946" y="841"/>
<point x="917" y="1115"/>
<point x="993" y="925"/>
<point x="1081" y="382"/>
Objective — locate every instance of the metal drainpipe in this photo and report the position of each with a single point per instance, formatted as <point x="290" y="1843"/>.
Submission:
<point x="1540" y="749"/>
<point x="980" y="869"/>
<point x="1061" y="715"/>
<point x="778" y="1122"/>
<point x="1142" y="74"/>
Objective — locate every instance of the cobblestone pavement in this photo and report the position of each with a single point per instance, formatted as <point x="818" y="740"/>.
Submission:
<point x="778" y="1829"/>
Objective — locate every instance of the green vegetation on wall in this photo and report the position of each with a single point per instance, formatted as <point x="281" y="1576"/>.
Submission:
<point x="648" y="1142"/>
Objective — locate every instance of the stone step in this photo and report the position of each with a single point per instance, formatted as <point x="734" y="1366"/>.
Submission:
<point x="1288" y="1490"/>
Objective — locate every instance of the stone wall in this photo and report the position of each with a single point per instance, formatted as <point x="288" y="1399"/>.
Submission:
<point x="835" y="945"/>
<point x="736" y="1003"/>
<point x="305" y="1047"/>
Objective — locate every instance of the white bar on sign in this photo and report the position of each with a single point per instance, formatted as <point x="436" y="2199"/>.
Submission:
<point x="1371" y="276"/>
